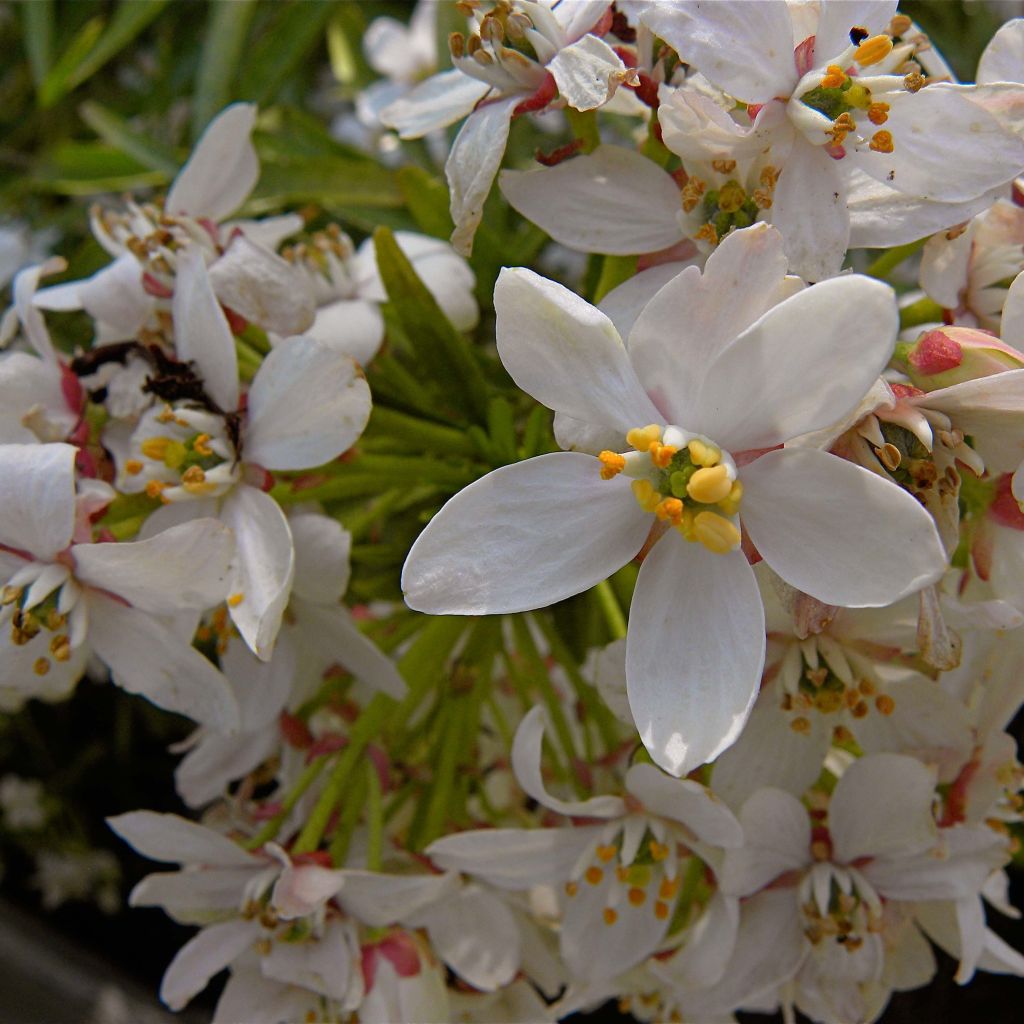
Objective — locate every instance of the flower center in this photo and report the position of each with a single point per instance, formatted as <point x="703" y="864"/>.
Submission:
<point x="35" y="602"/>
<point x="685" y="480"/>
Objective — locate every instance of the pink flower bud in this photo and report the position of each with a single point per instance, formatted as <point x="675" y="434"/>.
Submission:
<point x="951" y="355"/>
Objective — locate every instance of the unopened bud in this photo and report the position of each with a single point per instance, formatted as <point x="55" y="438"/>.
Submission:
<point x="950" y="355"/>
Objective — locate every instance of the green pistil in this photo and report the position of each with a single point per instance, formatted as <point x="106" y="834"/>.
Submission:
<point x="830" y="102"/>
<point x="729" y="207"/>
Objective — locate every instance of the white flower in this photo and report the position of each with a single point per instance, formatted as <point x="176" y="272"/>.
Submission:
<point x="64" y="596"/>
<point x="21" y="803"/>
<point x="718" y="381"/>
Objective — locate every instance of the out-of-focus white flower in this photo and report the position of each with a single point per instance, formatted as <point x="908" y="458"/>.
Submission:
<point x="63" y="875"/>
<point x="21" y="803"/>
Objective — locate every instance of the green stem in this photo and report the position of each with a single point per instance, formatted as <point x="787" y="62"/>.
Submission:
<point x="612" y="612"/>
<point x="614" y="271"/>
<point x="374" y="818"/>
<point x="583" y="125"/>
<point x="309" y="775"/>
<point x="420" y="434"/>
<point x="352" y="808"/>
<point x="884" y="264"/>
<point x="249" y="360"/>
<point x="924" y="311"/>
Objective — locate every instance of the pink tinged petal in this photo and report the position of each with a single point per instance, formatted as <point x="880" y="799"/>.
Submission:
<point x="526" y="764"/>
<point x="303" y="889"/>
<point x="475" y="934"/>
<point x="37" y="498"/>
<point x="944" y="267"/>
<point x="352" y="327"/>
<point x="524" y="536"/>
<point x="201" y="331"/>
<point x="704" y="958"/>
<point x="378" y="899"/>
<point x="809" y="207"/>
<point x="435" y="103"/>
<point x="832" y="35"/>
<point x="32" y="322"/>
<point x="611" y="201"/>
<point x="744" y="49"/>
<point x="882" y="807"/>
<point x="322" y="548"/>
<point x="323" y="965"/>
<point x="173" y="839"/>
<point x="307" y="405"/>
<point x="185" y="567"/>
<point x="585" y="72"/>
<point x="695" y="317"/>
<point x="687" y="802"/>
<point x="262" y="287"/>
<point x="516" y="859"/>
<point x="926" y="127"/>
<point x="29" y="384"/>
<point x="566" y="353"/>
<point x="222" y="169"/>
<point x="1003" y="59"/>
<point x="472" y="164"/>
<point x="147" y="657"/>
<point x="778" y="839"/>
<point x="203" y="956"/>
<point x="839" y="532"/>
<point x="694" y="652"/>
<point x="264" y="565"/>
<point x="795" y="370"/>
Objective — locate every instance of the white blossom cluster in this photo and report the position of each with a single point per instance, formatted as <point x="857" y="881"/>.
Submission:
<point x="790" y="777"/>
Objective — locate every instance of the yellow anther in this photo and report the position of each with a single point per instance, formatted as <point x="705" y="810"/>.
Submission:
<point x="622" y="873"/>
<point x="155" y="488"/>
<point x="881" y="142"/>
<point x="641" y="438"/>
<point x="669" y="510"/>
<point x="661" y="454"/>
<point x="194" y="480"/>
<point x="606" y="853"/>
<point x="593" y="874"/>
<point x="873" y="51"/>
<point x="637" y="896"/>
<point x="769" y="176"/>
<point x="611" y="464"/>
<point x="685" y="523"/>
<point x="716" y="532"/>
<point x="731" y="196"/>
<point x="828" y="701"/>
<point x="867" y="687"/>
<point x="885" y="704"/>
<point x="155" y="448"/>
<point x="724" y="166"/>
<point x="60" y="648"/>
<point x="859" y="710"/>
<point x="914" y="82"/>
<point x="668" y="888"/>
<point x="691" y="193"/>
<point x="703" y="454"/>
<point x="762" y="199"/>
<point x="710" y="484"/>
<point x="41" y="666"/>
<point x="659" y="851"/>
<point x="730" y="504"/>
<point x="661" y="910"/>
<point x="236" y="599"/>
<point x="834" y="77"/>
<point x="900" y="25"/>
<point x="9" y="595"/>
<point x="878" y="113"/>
<point x="801" y="725"/>
<point x="571" y="888"/>
<point x="707" y="233"/>
<point x="610" y="915"/>
<point x="647" y="497"/>
<point x="201" y="445"/>
<point x="166" y="415"/>
<point x="133" y="467"/>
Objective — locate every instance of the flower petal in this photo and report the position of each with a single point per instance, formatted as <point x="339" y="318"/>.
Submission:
<point x="1003" y="59"/>
<point x="174" y="839"/>
<point x="354" y="327"/>
<point x="523" y="537"/>
<point x="435" y="103"/>
<point x="694" y="652"/>
<point x="832" y="35"/>
<point x="839" y="532"/>
<point x="222" y="169"/>
<point x="322" y="549"/>
<point x="203" y="956"/>
<point x="378" y="899"/>
<point x="585" y="72"/>
<point x="37" y="498"/>
<point x="611" y="201"/>
<point x="623" y="304"/>
<point x="308" y="403"/>
<point x="322" y="964"/>
<point x="566" y="353"/>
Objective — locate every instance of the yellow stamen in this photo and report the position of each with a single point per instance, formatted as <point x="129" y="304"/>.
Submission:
<point x="41" y="666"/>
<point x="731" y="196"/>
<point x="133" y="467"/>
<point x="610" y="915"/>
<point x="593" y="874"/>
<point x="691" y="193"/>
<point x="637" y="896"/>
<point x="900" y="25"/>
<point x="606" y="853"/>
<point x="716" y="532"/>
<point x="641" y="438"/>
<point x="622" y="873"/>
<point x="834" y="77"/>
<point x="668" y="888"/>
<point x="647" y="497"/>
<point x="155" y="448"/>
<point x="762" y="199"/>
<point x="155" y="488"/>
<point x="201" y="445"/>
<point x="235" y="600"/>
<point x="914" y="82"/>
<point x="707" y="233"/>
<point x="611" y="464"/>
<point x="659" y="851"/>
<point x="571" y="888"/>
<point x="669" y="510"/>
<point x="801" y="725"/>
<point x="710" y="484"/>
<point x="878" y="113"/>
<point x="194" y="480"/>
<point x="661" y="454"/>
<point x="724" y="166"/>
<point x="660" y="910"/>
<point x="873" y="51"/>
<point x="881" y="142"/>
<point x="730" y="504"/>
<point x="769" y="176"/>
<point x="703" y="454"/>
<point x="885" y="704"/>
<point x="60" y="648"/>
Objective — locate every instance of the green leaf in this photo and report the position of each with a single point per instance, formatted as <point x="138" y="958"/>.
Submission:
<point x="37" y="21"/>
<point x="115" y="131"/>
<point x="93" y="47"/>
<point x="223" y="42"/>
<point x="344" y="46"/>
<point x="439" y="348"/>
<point x="91" y="168"/>
<point x="330" y="182"/>
<point x="427" y="200"/>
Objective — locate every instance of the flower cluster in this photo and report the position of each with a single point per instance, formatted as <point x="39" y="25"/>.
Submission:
<point x="721" y="563"/>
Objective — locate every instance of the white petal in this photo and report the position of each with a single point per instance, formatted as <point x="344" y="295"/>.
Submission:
<point x="222" y="169"/>
<point x="321" y="965"/>
<point x="472" y="164"/>
<point x="378" y="899"/>
<point x="357" y="653"/>
<point x="216" y="761"/>
<point x="29" y="386"/>
<point x="268" y="231"/>
<point x="435" y="103"/>
<point x="201" y="331"/>
<point x="566" y="353"/>
<point x="263" y="567"/>
<point x="584" y="72"/>
<point x="203" y="956"/>
<point x="37" y="498"/>
<point x="353" y="327"/>
<point x="832" y="35"/>
<point x="694" y="652"/>
<point x="523" y="537"/>
<point x="32" y="321"/>
<point x="262" y="287"/>
<point x="795" y="370"/>
<point x="250" y="997"/>
<point x="1003" y="59"/>
<point x="526" y="762"/>
<point x="809" y="207"/>
<point x="838" y="532"/>
<point x="322" y="548"/>
<point x="778" y="839"/>
<point x="185" y="567"/>
<point x="882" y="807"/>
<point x="512" y="858"/>
<point x="302" y="889"/>
<point x="687" y="802"/>
<point x="944" y="267"/>
<point x="622" y="305"/>
<point x="307" y="404"/>
<point x="1011" y="325"/>
<point x="611" y="201"/>
<point x="705" y="956"/>
<point x="744" y="49"/>
<point x="173" y="839"/>
<point x="147" y="657"/>
<point x="695" y="317"/>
